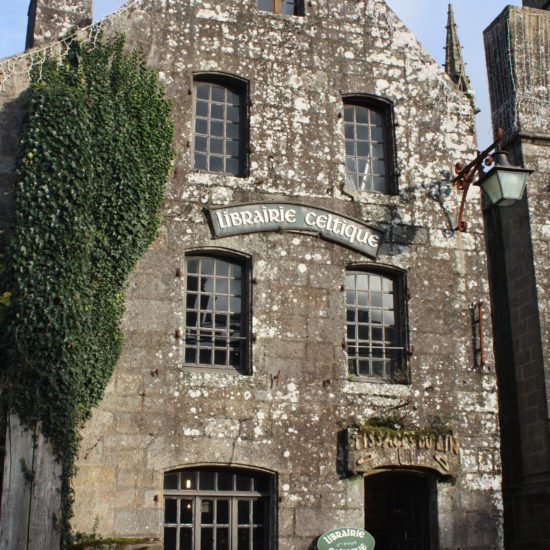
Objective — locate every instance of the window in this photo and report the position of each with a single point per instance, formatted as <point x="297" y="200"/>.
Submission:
<point x="375" y="335"/>
<point x="286" y="7"/>
<point x="218" y="509"/>
<point x="369" y="149"/>
<point x="216" y="332"/>
<point x="220" y="129"/>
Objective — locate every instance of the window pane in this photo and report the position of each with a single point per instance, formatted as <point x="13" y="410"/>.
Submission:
<point x="222" y="512"/>
<point x="203" y="91"/>
<point x="259" y="538"/>
<point x="202" y="109"/>
<point x="171" y="481"/>
<point x="217" y="111"/>
<point x="377" y="133"/>
<point x="236" y="271"/>
<point x="207" y="511"/>
<point x="244" y="483"/>
<point x="244" y="512"/>
<point x="243" y="542"/>
<point x="207" y="480"/>
<point x="216" y="164"/>
<point x="190" y="353"/>
<point x="200" y="162"/>
<point x="364" y="368"/>
<point x="233" y="113"/>
<point x="205" y="356"/>
<point x="201" y="126"/>
<point x="218" y="94"/>
<point x="222" y="538"/>
<point x="232" y="148"/>
<point x="287" y="7"/>
<point x="170" y="511"/>
<point x="262" y="483"/>
<point x="233" y="130"/>
<point x="258" y="514"/>
<point x="186" y="538"/>
<point x="361" y="115"/>
<point x="233" y="98"/>
<point x="225" y="481"/>
<point x="348" y="113"/>
<point x="232" y="166"/>
<point x="220" y="357"/>
<point x="186" y="513"/>
<point x="363" y="133"/>
<point x="216" y="146"/>
<point x="222" y="268"/>
<point x="235" y="358"/>
<point x="170" y="534"/>
<point x="207" y="538"/>
<point x="363" y="149"/>
<point x="216" y="129"/>
<point x="188" y="480"/>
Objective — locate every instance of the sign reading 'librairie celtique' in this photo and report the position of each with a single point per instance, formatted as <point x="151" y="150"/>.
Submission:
<point x="253" y="218"/>
<point x="346" y="538"/>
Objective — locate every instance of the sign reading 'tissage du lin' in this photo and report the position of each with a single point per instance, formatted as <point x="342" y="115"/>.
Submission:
<point x="346" y="538"/>
<point x="253" y="218"/>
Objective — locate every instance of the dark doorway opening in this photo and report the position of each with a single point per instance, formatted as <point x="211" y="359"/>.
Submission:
<point x="397" y="511"/>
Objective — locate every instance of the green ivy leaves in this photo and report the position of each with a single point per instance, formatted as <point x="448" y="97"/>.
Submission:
<point x="96" y="154"/>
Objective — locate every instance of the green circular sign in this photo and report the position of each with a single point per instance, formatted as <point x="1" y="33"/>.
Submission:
<point x="346" y="538"/>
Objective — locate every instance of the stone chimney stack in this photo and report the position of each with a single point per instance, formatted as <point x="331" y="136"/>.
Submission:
<point x="51" y="19"/>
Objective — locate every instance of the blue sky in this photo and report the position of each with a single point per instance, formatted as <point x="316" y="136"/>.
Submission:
<point x="425" y="18"/>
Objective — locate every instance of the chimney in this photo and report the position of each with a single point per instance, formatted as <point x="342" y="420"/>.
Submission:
<point x="540" y="4"/>
<point x="50" y="20"/>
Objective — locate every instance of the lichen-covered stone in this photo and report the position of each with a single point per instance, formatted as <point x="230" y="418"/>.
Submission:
<point x="288" y="415"/>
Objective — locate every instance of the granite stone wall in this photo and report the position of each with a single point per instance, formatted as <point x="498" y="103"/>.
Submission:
<point x="288" y="415"/>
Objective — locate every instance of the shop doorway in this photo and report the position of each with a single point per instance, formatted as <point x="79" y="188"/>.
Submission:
<point x="397" y="511"/>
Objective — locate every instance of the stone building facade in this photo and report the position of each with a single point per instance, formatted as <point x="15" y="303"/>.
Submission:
<point x="305" y="340"/>
<point x="518" y="52"/>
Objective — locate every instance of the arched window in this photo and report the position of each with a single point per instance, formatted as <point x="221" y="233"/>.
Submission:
<point x="375" y="325"/>
<point x="370" y="159"/>
<point x="220" y="126"/>
<point x="218" y="508"/>
<point x="216" y="306"/>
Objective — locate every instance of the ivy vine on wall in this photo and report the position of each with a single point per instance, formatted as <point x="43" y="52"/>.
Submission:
<point x="96" y="154"/>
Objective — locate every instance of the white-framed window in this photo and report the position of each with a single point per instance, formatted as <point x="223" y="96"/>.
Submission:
<point x="220" y="127"/>
<point x="216" y="306"/>
<point x="370" y="145"/>
<point x="218" y="509"/>
<point x="375" y="338"/>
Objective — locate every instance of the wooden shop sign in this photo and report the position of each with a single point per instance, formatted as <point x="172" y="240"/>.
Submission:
<point x="367" y="450"/>
<point x="281" y="216"/>
<point x="346" y="538"/>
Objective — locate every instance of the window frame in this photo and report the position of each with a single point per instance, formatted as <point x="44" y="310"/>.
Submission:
<point x="239" y="86"/>
<point x="244" y="261"/>
<point x="385" y="107"/>
<point x="400" y="374"/>
<point x="266" y="494"/>
<point x="299" y="8"/>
